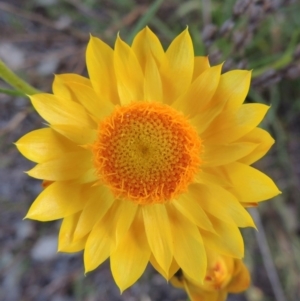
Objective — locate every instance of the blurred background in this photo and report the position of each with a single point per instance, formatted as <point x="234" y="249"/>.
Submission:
<point x="40" y="38"/>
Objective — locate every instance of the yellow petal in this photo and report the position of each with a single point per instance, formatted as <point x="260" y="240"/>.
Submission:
<point x="200" y="92"/>
<point x="152" y="83"/>
<point x="43" y="145"/>
<point x="202" y="121"/>
<point x="220" y="203"/>
<point x="98" y="245"/>
<point x="129" y="74"/>
<point x="212" y="175"/>
<point x="201" y="63"/>
<point x="147" y="44"/>
<point x="241" y="279"/>
<point x="98" y="200"/>
<point x="99" y="60"/>
<point x="124" y="217"/>
<point x="233" y="87"/>
<point x="189" y="250"/>
<point x="109" y="230"/>
<point x="59" y="84"/>
<point x="196" y="293"/>
<point x="66" y="242"/>
<point x="216" y="155"/>
<point x="71" y="77"/>
<point x="177" y="280"/>
<point x="129" y="260"/>
<point x="174" y="267"/>
<point x="228" y="240"/>
<point x="264" y="142"/>
<point x="58" y="200"/>
<point x="77" y="134"/>
<point x="240" y="80"/>
<point x="61" y="111"/>
<point x="189" y="207"/>
<point x="62" y="168"/>
<point x="249" y="184"/>
<point x="158" y="233"/>
<point x="177" y="70"/>
<point x="88" y="176"/>
<point x="93" y="103"/>
<point x="121" y="215"/>
<point x="233" y="125"/>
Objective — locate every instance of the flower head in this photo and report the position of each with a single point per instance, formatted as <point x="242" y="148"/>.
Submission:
<point x="148" y="160"/>
<point x="224" y="275"/>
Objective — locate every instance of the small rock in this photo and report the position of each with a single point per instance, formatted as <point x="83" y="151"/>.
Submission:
<point x="63" y="22"/>
<point x="24" y="229"/>
<point x="45" y="248"/>
<point x="12" y="56"/>
<point x="48" y="66"/>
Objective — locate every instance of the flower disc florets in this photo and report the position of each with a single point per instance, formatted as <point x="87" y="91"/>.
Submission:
<point x="146" y="152"/>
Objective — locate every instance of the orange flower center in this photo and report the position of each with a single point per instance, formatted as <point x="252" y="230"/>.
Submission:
<point x="146" y="152"/>
<point x="218" y="276"/>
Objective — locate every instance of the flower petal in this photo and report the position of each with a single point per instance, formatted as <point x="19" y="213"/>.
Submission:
<point x="212" y="175"/>
<point x="241" y="279"/>
<point x="228" y="240"/>
<point x="125" y="216"/>
<point x="264" y="141"/>
<point x="216" y="155"/>
<point x="129" y="260"/>
<point x="62" y="168"/>
<point x="220" y="203"/>
<point x="189" y="207"/>
<point x="201" y="63"/>
<point x="43" y="145"/>
<point x="109" y="230"/>
<point x="233" y="87"/>
<point x="203" y="120"/>
<point x="233" y="125"/>
<point x="91" y="101"/>
<point x="98" y="245"/>
<point x="147" y="44"/>
<point x="99" y="60"/>
<point x="129" y="74"/>
<point x="240" y="80"/>
<point x="200" y="92"/>
<point x="88" y="176"/>
<point x="58" y="200"/>
<point x="59" y="84"/>
<point x="158" y="233"/>
<point x="152" y="83"/>
<point x="189" y="250"/>
<point x="79" y="135"/>
<point x="249" y="184"/>
<point x="196" y="293"/>
<point x="98" y="200"/>
<point x="61" y="111"/>
<point x="177" y="70"/>
<point x="174" y="267"/>
<point x="66" y="242"/>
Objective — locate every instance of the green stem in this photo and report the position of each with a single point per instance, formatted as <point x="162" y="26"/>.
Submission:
<point x="12" y="79"/>
<point x="11" y="92"/>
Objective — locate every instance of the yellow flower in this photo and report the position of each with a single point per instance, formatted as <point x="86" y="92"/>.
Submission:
<point x="224" y="275"/>
<point x="148" y="160"/>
